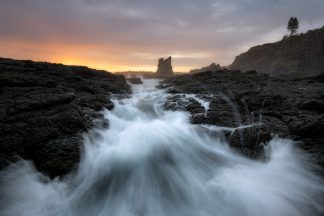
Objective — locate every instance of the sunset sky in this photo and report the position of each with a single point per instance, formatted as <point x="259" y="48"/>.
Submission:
<point x="119" y="35"/>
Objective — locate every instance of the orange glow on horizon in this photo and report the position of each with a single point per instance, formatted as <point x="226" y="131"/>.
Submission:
<point x="70" y="54"/>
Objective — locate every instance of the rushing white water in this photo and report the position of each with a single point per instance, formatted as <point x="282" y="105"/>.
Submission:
<point x="203" y="103"/>
<point x="154" y="162"/>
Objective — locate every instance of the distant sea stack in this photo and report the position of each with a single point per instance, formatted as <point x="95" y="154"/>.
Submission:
<point x="212" y="67"/>
<point x="164" y="68"/>
<point x="301" y="55"/>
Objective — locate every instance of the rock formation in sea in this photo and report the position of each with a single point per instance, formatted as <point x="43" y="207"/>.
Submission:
<point x="212" y="67"/>
<point x="290" y="107"/>
<point x="44" y="108"/>
<point x="301" y="55"/>
<point x="164" y="68"/>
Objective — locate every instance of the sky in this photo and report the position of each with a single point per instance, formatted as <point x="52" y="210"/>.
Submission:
<point x="123" y="35"/>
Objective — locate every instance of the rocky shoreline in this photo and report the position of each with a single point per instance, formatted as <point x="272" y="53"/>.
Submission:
<point x="288" y="106"/>
<point x="45" y="108"/>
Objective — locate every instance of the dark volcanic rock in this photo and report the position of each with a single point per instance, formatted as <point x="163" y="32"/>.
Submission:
<point x="250" y="140"/>
<point x="289" y="107"/>
<point x="178" y="102"/>
<point x="45" y="107"/>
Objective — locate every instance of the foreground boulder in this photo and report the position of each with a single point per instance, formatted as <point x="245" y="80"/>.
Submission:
<point x="290" y="107"/>
<point x="44" y="109"/>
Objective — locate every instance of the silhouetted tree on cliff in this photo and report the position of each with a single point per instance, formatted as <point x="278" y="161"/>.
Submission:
<point x="293" y="25"/>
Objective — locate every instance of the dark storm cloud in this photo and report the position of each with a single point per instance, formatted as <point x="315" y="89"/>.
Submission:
<point x="195" y="32"/>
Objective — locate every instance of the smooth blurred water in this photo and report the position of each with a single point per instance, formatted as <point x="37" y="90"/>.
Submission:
<point x="154" y="162"/>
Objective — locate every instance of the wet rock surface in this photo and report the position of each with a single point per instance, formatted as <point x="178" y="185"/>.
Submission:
<point x="44" y="108"/>
<point x="289" y="107"/>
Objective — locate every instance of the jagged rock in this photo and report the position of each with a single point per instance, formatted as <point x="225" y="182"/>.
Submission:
<point x="181" y="102"/>
<point x="212" y="67"/>
<point x="45" y="107"/>
<point x="301" y="55"/>
<point x="289" y="107"/>
<point x="249" y="140"/>
<point x="164" y="68"/>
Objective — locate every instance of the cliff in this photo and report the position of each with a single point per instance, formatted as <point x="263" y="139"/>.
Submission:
<point x="301" y="55"/>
